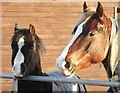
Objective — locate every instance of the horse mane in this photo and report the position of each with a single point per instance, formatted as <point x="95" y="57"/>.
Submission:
<point x="40" y="44"/>
<point x="83" y="17"/>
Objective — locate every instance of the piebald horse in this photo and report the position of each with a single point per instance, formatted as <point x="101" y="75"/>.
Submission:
<point x="27" y="49"/>
<point x="96" y="39"/>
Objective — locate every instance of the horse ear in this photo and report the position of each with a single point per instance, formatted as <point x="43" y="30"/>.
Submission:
<point x="16" y="27"/>
<point x="84" y="7"/>
<point x="32" y="29"/>
<point x="99" y="10"/>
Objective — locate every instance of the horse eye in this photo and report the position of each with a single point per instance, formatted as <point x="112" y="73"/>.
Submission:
<point x="91" y="34"/>
<point x="32" y="47"/>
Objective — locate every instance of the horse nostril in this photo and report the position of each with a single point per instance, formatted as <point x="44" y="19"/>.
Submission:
<point x="67" y="65"/>
<point x="22" y="68"/>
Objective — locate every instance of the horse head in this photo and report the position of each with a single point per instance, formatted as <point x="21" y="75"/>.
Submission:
<point x="90" y="42"/>
<point x="26" y="52"/>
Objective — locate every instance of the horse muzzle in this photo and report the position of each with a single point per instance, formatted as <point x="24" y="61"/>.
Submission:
<point x="66" y="69"/>
<point x="19" y="71"/>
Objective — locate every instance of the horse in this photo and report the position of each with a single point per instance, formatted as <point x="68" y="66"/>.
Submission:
<point x="96" y="39"/>
<point x="27" y="49"/>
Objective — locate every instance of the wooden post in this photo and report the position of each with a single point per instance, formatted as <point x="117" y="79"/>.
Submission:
<point x="117" y="12"/>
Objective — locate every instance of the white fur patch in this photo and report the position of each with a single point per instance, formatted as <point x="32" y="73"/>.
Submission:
<point x="18" y="59"/>
<point x="75" y="88"/>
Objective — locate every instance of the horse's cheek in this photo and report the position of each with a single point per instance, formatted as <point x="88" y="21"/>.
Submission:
<point x="96" y="53"/>
<point x="84" y="62"/>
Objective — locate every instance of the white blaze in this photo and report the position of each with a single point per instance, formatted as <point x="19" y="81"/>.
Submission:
<point x="61" y="58"/>
<point x="18" y="59"/>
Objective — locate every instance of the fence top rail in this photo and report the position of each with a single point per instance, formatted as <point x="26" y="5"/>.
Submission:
<point x="65" y="80"/>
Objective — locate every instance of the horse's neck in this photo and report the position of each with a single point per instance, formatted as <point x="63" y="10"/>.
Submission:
<point x="112" y="61"/>
<point x="37" y="70"/>
<point x="106" y="64"/>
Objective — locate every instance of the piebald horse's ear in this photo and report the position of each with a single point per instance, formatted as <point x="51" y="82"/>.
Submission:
<point x="99" y="10"/>
<point x="32" y="30"/>
<point x="16" y="27"/>
<point x="84" y="7"/>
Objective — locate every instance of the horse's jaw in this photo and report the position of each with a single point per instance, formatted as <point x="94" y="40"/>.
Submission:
<point x="69" y="70"/>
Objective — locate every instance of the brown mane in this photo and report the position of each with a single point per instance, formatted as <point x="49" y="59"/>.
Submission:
<point x="40" y="44"/>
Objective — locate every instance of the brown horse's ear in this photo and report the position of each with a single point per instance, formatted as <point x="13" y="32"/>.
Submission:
<point x="84" y="7"/>
<point x="32" y="30"/>
<point x="99" y="10"/>
<point x="16" y="27"/>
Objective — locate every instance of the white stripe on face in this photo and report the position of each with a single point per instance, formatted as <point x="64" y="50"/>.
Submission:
<point x="61" y="58"/>
<point x="18" y="59"/>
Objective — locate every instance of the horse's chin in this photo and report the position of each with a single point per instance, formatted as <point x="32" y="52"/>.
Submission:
<point x="18" y="77"/>
<point x="68" y="73"/>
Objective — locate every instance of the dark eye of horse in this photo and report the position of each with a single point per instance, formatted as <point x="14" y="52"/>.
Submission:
<point x="91" y="34"/>
<point x="32" y="47"/>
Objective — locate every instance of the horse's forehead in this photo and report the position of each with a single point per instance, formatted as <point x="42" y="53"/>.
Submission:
<point x="25" y="37"/>
<point x="88" y="25"/>
<point x="91" y="20"/>
<point x="21" y="39"/>
<point x="21" y="42"/>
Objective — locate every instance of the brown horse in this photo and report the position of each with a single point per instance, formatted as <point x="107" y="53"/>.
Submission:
<point x="95" y="40"/>
<point x="27" y="49"/>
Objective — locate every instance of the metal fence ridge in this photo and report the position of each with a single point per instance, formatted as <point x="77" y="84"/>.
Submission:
<point x="65" y="80"/>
